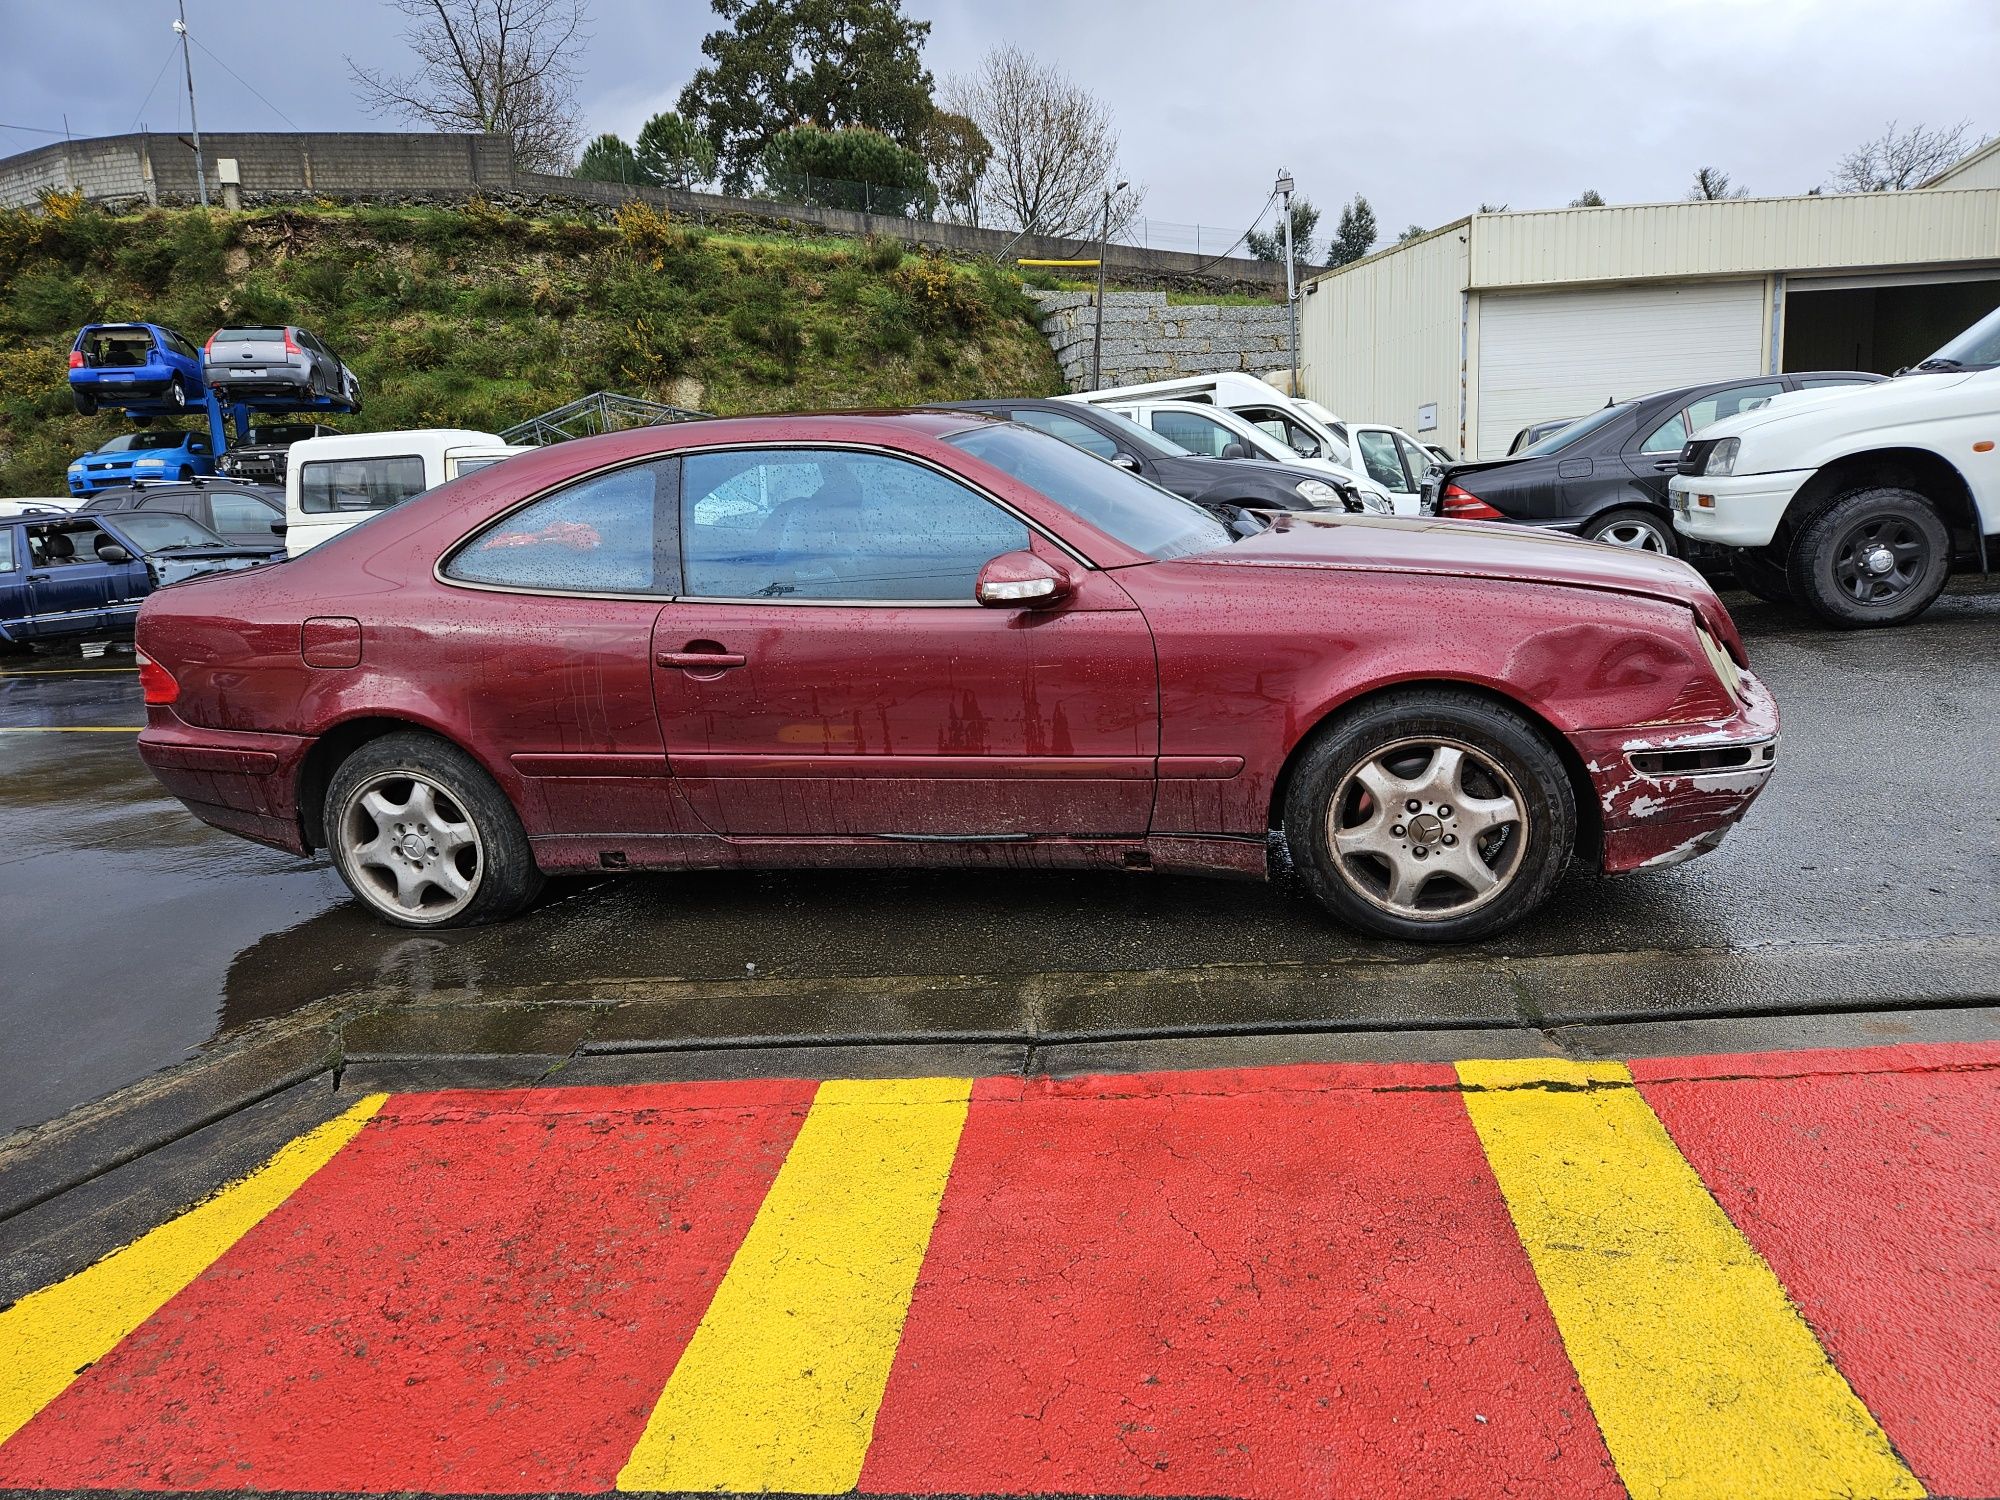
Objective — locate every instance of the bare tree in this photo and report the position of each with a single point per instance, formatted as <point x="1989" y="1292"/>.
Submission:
<point x="508" y="66"/>
<point x="1898" y="159"/>
<point x="1712" y="183"/>
<point x="1055" y="150"/>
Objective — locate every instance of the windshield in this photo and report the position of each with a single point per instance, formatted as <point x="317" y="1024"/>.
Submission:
<point x="1978" y="348"/>
<point x="1143" y="516"/>
<point x="1562" y="437"/>
<point x="162" y="531"/>
<point x="132" y="442"/>
<point x="247" y="335"/>
<point x="292" y="432"/>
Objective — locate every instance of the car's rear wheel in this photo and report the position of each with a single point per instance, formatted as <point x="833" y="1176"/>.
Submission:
<point x="1757" y="572"/>
<point x="422" y="835"/>
<point x="1640" y="530"/>
<point x="86" y="406"/>
<point x="177" y="395"/>
<point x="1876" y="556"/>
<point x="1434" y="815"/>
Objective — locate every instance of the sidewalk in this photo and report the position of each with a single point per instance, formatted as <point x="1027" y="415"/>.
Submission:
<point x="1766" y="1274"/>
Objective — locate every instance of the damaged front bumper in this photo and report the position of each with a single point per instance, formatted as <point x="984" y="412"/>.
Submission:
<point x="1669" y="793"/>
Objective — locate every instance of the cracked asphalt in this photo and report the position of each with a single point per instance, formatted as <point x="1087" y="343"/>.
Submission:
<point x="1869" y="874"/>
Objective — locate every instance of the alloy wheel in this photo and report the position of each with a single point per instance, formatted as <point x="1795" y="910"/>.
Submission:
<point x="1880" y="559"/>
<point x="411" y="847"/>
<point x="1640" y="536"/>
<point x="1428" y="828"/>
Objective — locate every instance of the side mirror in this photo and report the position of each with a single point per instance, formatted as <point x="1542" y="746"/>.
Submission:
<point x="1126" y="462"/>
<point x="278" y="528"/>
<point x="111" y="552"/>
<point x="1234" y="450"/>
<point x="1021" y="580"/>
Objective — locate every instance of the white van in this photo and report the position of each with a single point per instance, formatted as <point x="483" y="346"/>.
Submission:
<point x="1218" y="432"/>
<point x="333" y="482"/>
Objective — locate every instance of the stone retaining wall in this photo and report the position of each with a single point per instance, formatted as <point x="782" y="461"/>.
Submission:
<point x="1145" y="338"/>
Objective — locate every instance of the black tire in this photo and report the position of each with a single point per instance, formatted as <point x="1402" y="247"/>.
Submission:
<point x="177" y="395"/>
<point x="1528" y="853"/>
<point x="502" y="876"/>
<point x="86" y="406"/>
<point x="1635" y="521"/>
<point x="185" y="474"/>
<point x="1834" y="559"/>
<point x="1757" y="571"/>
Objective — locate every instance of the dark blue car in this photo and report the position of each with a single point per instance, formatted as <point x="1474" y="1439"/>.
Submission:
<point x="134" y="366"/>
<point x="130" y="456"/>
<point x="67" y="576"/>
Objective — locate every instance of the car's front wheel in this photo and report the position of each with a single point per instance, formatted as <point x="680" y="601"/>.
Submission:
<point x="1876" y="556"/>
<point x="1434" y="815"/>
<point x="423" y="836"/>
<point x="86" y="406"/>
<point x="1640" y="530"/>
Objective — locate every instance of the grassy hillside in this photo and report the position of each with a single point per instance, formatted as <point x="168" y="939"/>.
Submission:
<point x="478" y="317"/>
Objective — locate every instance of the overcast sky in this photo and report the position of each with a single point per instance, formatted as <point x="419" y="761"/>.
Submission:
<point x="1426" y="106"/>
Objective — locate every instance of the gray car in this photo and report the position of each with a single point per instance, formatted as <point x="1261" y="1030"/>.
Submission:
<point x="281" y="362"/>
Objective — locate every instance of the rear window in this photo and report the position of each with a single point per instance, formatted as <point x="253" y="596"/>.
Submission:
<point x="124" y="348"/>
<point x="350" y="484"/>
<point x="249" y="336"/>
<point x="1575" y="432"/>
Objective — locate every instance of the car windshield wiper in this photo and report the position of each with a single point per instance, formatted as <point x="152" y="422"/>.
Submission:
<point x="182" y="546"/>
<point x="1936" y="363"/>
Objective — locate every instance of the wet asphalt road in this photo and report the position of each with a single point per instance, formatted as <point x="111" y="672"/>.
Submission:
<point x="135" y="934"/>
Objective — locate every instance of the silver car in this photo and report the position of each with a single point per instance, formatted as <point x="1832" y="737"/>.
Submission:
<point x="289" y="362"/>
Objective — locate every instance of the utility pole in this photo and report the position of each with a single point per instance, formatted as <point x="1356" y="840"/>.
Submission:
<point x="187" y="62"/>
<point x="1097" y="341"/>
<point x="1291" y="286"/>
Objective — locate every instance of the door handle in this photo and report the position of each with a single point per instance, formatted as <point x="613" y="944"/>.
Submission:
<point x="701" y="661"/>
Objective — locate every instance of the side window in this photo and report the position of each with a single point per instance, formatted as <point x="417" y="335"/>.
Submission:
<point x="240" y="513"/>
<point x="1669" y="437"/>
<point x="7" y="559"/>
<point x="1379" y="457"/>
<point x="1071" y="431"/>
<point x="1197" y="434"/>
<point x="821" y="524"/>
<point x="1417" y="460"/>
<point x="339" y="484"/>
<point x="1738" y="398"/>
<point x="1285" y="429"/>
<point x="1828" y="382"/>
<point x="600" y="536"/>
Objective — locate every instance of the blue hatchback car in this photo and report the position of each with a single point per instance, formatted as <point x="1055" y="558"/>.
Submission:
<point x="134" y="365"/>
<point x="162" y="454"/>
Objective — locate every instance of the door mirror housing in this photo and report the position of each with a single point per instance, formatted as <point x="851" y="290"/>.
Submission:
<point x="1126" y="462"/>
<point x="1021" y="580"/>
<point x="111" y="552"/>
<point x="1234" y="450"/>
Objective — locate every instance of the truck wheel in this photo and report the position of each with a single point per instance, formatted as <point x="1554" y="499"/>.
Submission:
<point x="1878" y="556"/>
<point x="1430" y="814"/>
<point x="1640" y="530"/>
<point x="422" y="835"/>
<point x="1757" y="572"/>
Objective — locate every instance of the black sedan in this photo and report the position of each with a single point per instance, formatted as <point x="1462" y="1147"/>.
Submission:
<point x="1224" y="487"/>
<point x="1605" y="476"/>
<point x="241" y="514"/>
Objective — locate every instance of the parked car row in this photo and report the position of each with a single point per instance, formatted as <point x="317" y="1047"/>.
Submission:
<point x="144" y="366"/>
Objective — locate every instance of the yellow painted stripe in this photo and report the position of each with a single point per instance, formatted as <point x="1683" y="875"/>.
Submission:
<point x="71" y="728"/>
<point x="779" y="1386"/>
<point x="1704" y="1378"/>
<point x="50" y="1336"/>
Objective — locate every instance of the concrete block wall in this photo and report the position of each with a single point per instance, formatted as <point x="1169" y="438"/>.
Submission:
<point x="1145" y="338"/>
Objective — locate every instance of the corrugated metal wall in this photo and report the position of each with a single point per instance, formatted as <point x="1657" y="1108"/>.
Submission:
<point x="1381" y="341"/>
<point x="1744" y="236"/>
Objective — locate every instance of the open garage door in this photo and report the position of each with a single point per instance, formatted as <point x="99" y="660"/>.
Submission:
<point x="1881" y="322"/>
<point x="1564" y="354"/>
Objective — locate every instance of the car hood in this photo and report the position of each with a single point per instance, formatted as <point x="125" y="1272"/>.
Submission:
<point x="1463" y="549"/>
<point x="1855" y="407"/>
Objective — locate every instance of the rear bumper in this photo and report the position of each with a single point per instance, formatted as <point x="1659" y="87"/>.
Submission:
<point x="241" y="782"/>
<point x="1670" y="793"/>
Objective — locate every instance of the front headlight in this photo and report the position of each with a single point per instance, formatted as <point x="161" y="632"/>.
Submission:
<point x="1722" y="457"/>
<point x="1375" y="503"/>
<point x="1314" y="492"/>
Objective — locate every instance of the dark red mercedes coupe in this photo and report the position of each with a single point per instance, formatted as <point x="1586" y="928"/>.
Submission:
<point x="930" y="638"/>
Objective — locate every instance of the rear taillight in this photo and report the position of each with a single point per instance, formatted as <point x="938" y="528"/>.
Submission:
<point x="155" y="681"/>
<point x="208" y="348"/>
<point x="290" y="346"/>
<point x="76" y="359"/>
<point x="1459" y="505"/>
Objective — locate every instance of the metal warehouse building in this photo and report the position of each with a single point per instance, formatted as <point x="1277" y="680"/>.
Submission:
<point x="1475" y="330"/>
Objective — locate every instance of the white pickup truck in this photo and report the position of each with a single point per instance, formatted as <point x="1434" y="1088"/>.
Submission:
<point x="1857" y="503"/>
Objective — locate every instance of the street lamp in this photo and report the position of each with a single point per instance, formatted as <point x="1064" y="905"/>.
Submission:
<point x="1284" y="187"/>
<point x="1097" y="341"/>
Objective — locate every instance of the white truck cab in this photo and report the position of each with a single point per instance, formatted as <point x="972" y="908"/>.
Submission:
<point x="1856" y="503"/>
<point x="331" y="483"/>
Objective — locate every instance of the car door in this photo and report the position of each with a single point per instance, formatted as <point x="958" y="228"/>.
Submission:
<point x="1382" y="461"/>
<point x="69" y="586"/>
<point x="828" y="673"/>
<point x="1654" y="457"/>
<point x="14" y="606"/>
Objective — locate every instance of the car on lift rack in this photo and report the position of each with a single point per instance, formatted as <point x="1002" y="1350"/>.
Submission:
<point x="134" y="365"/>
<point x="164" y="453"/>
<point x="262" y="456"/>
<point x="1605" y="476"/>
<point x="247" y="514"/>
<point x="285" y="363"/>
